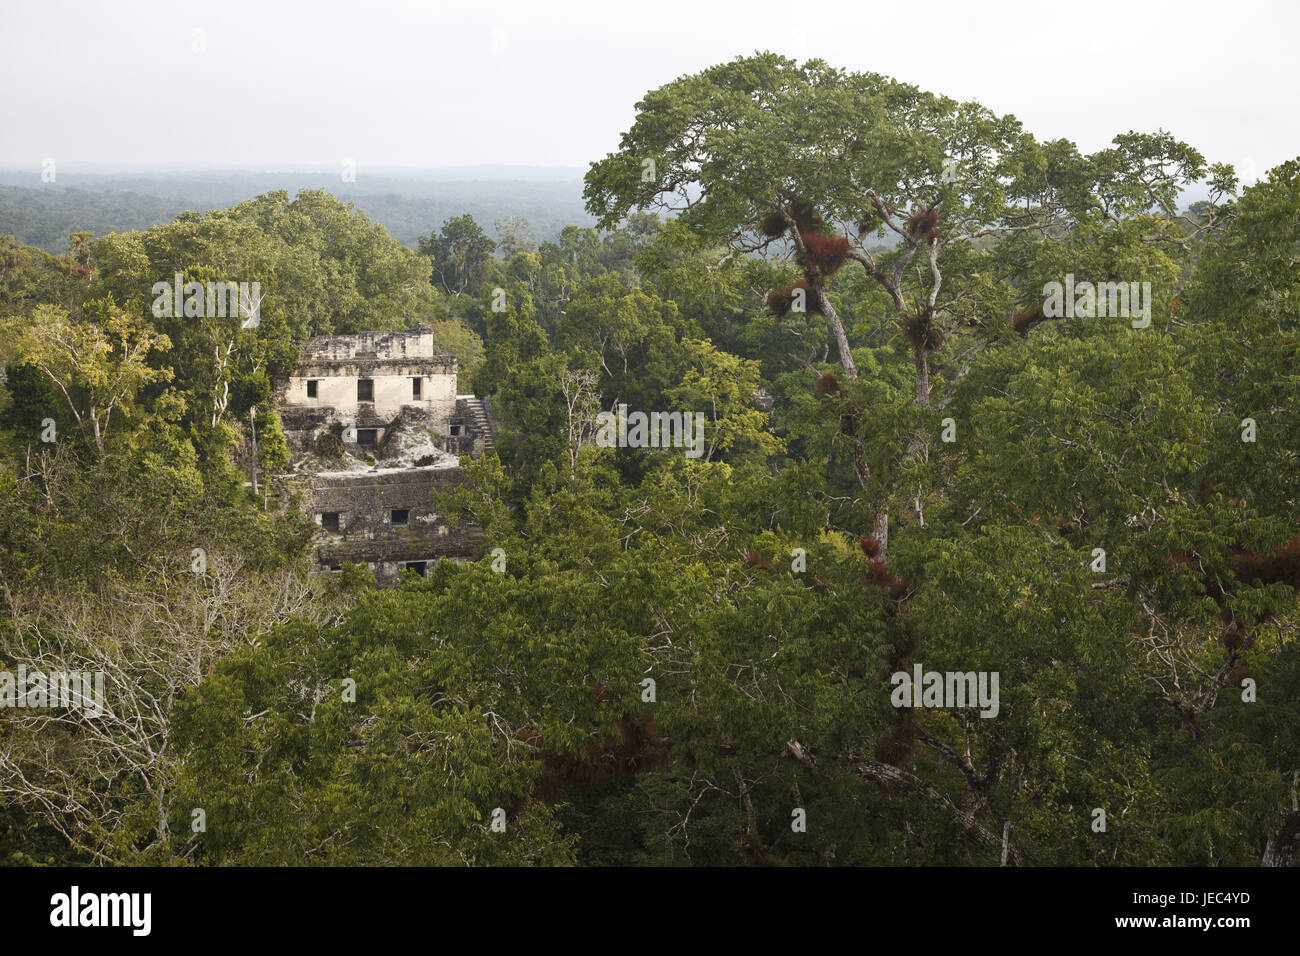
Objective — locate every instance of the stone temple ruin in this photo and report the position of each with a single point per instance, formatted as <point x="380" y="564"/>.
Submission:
<point x="374" y="424"/>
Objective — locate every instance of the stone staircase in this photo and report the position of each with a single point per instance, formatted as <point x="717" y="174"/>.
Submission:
<point x="478" y="417"/>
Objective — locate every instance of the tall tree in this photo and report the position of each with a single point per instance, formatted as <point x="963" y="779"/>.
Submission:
<point x="461" y="253"/>
<point x="823" y="164"/>
<point x="96" y="362"/>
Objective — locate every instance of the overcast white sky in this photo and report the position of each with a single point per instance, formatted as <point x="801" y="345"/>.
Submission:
<point x="553" y="82"/>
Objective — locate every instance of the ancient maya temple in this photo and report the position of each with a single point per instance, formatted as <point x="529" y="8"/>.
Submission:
<point x="374" y="424"/>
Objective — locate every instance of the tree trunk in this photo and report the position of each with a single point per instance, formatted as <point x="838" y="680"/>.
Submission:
<point x="922" y="392"/>
<point x="1283" y="847"/>
<point x="837" y="327"/>
<point x="880" y="529"/>
<point x="921" y="395"/>
<point x="252" y="431"/>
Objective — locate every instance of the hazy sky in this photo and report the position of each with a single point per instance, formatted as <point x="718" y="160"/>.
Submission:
<point x="554" y="82"/>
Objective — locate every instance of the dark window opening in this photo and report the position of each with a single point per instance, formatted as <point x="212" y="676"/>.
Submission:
<point x="401" y="516"/>
<point x="415" y="387"/>
<point x="365" y="390"/>
<point x="336" y="567"/>
<point x="455" y="429"/>
<point x="329" y="520"/>
<point x="419" y="567"/>
<point x="367" y="436"/>
<point x="311" y="388"/>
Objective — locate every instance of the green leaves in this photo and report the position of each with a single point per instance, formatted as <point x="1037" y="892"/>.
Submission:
<point x="460" y="253"/>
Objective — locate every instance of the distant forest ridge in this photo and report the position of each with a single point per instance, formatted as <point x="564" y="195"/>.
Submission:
<point x="408" y="203"/>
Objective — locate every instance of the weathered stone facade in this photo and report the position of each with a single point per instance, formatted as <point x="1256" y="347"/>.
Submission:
<point x="374" y="424"/>
<point x="386" y="520"/>
<point x="375" y="374"/>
